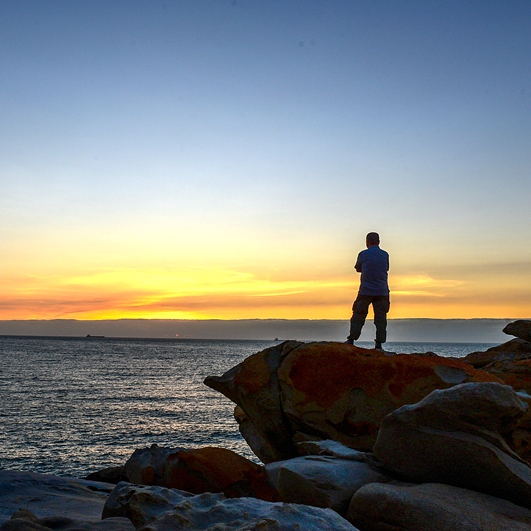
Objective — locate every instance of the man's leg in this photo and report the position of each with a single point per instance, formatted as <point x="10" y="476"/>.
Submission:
<point x="381" y="307"/>
<point x="360" y="308"/>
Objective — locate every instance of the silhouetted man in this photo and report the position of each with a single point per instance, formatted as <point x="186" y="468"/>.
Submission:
<point x="373" y="264"/>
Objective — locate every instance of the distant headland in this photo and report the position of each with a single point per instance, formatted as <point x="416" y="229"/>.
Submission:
<point x="421" y="330"/>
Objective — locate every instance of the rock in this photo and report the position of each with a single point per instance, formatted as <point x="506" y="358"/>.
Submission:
<point x="146" y="465"/>
<point x="511" y="363"/>
<point x="44" y="496"/>
<point x="514" y="372"/>
<point x="453" y="436"/>
<point x="200" y="470"/>
<point x="335" y="449"/>
<point x="254" y="438"/>
<point x="322" y="481"/>
<point x="112" y="475"/>
<point x="161" y="509"/>
<point x="329" y="391"/>
<point x="433" y="507"/>
<point x="218" y="470"/>
<point x="143" y="504"/>
<point x="253" y="385"/>
<point x="521" y="329"/>
<point x="516" y="349"/>
<point x="24" y="520"/>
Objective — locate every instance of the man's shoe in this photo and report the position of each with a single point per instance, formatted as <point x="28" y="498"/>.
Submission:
<point x="378" y="346"/>
<point x="349" y="342"/>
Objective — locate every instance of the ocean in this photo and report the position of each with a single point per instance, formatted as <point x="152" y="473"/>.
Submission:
<point x="72" y="406"/>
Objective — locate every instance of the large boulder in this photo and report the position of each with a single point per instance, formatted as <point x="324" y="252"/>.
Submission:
<point x="200" y="470"/>
<point x="453" y="436"/>
<point x="511" y="363"/>
<point x="521" y="329"/>
<point x="323" y="481"/>
<point x="295" y="391"/>
<point x="253" y="385"/>
<point x="161" y="509"/>
<point x="433" y="507"/>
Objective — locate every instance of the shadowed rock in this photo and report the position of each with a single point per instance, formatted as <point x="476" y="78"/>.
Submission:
<point x="521" y="329"/>
<point x="433" y="507"/>
<point x="516" y="349"/>
<point x="453" y="436"/>
<point x="161" y="509"/>
<point x="46" y="495"/>
<point x="323" y="481"/>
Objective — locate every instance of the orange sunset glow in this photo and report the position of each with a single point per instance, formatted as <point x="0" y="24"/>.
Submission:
<point x="225" y="160"/>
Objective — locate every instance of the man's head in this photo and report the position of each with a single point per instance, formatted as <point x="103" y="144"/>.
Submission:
<point x="373" y="238"/>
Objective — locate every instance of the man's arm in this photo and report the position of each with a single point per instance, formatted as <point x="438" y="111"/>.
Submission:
<point x="357" y="267"/>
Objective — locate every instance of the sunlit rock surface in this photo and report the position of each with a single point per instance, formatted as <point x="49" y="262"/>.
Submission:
<point x="333" y="391"/>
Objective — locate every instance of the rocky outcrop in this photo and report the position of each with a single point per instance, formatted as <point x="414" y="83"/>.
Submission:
<point x="300" y="391"/>
<point x="161" y="509"/>
<point x="521" y="329"/>
<point x="453" y="436"/>
<point x="450" y="446"/>
<point x="200" y="470"/>
<point x="433" y="507"/>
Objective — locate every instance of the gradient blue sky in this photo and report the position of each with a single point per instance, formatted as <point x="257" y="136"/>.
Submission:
<point x="225" y="159"/>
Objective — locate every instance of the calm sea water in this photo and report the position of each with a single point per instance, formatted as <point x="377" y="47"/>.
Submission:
<point x="71" y="406"/>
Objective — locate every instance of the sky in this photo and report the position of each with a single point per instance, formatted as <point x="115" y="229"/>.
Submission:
<point x="218" y="159"/>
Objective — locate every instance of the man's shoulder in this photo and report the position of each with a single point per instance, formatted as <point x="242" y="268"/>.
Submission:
<point x="376" y="250"/>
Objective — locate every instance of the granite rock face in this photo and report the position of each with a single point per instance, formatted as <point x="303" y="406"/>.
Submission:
<point x="160" y="509"/>
<point x="433" y="507"/>
<point x="453" y="436"/>
<point x="200" y="470"/>
<point x="301" y="391"/>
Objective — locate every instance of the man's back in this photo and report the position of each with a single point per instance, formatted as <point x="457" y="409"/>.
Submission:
<point x="373" y="264"/>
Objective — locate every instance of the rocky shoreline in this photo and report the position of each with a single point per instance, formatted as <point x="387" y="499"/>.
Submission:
<point x="350" y="439"/>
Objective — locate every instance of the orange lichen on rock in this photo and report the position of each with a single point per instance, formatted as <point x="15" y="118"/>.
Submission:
<point x="321" y="373"/>
<point x="343" y="393"/>
<point x="254" y="374"/>
<point x="218" y="470"/>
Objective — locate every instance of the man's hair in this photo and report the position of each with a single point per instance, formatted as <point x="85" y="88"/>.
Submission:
<point x="373" y="238"/>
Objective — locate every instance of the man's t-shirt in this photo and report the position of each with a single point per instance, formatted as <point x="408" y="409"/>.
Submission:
<point x="373" y="263"/>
